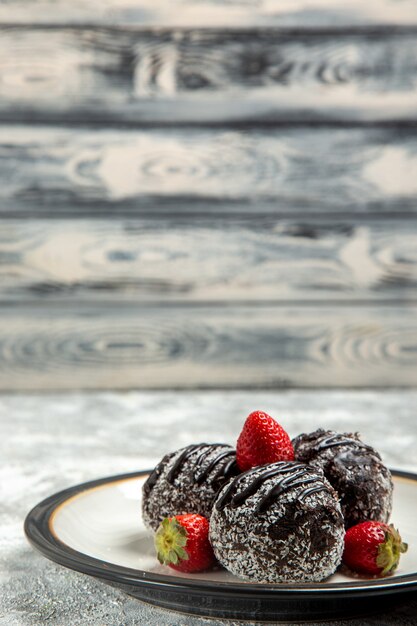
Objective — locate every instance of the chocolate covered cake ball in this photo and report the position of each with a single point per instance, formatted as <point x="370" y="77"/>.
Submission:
<point x="187" y="481"/>
<point x="354" y="469"/>
<point x="278" y="523"/>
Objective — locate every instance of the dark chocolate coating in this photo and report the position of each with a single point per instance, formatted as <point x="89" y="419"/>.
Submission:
<point x="278" y="523"/>
<point x="354" y="469"/>
<point x="187" y="481"/>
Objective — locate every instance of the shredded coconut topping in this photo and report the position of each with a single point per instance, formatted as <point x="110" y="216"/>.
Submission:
<point x="293" y="540"/>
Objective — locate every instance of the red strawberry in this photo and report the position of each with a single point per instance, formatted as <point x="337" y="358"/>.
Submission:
<point x="373" y="548"/>
<point x="182" y="543"/>
<point x="262" y="441"/>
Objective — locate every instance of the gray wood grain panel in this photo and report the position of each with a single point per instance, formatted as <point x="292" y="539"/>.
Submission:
<point x="137" y="346"/>
<point x="209" y="13"/>
<point x="281" y="170"/>
<point x="217" y="259"/>
<point x="113" y="75"/>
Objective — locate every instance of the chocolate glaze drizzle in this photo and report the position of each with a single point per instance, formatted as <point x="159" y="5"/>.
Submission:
<point x="311" y="490"/>
<point x="155" y="474"/>
<point x="290" y="474"/>
<point x="227" y="470"/>
<point x="336" y="439"/>
<point x="181" y="459"/>
<point x="201" y="473"/>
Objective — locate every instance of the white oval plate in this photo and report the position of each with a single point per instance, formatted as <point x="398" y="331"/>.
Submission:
<point x="96" y="528"/>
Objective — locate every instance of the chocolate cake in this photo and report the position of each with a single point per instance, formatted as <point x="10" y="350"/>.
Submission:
<point x="278" y="523"/>
<point x="354" y="469"/>
<point x="187" y="481"/>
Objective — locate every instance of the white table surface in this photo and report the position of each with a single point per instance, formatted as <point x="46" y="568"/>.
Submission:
<point x="49" y="442"/>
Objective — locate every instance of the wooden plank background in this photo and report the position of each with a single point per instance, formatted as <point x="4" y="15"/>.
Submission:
<point x="213" y="13"/>
<point x="204" y="194"/>
<point x="209" y="260"/>
<point x="206" y="76"/>
<point x="279" y="171"/>
<point x="207" y="346"/>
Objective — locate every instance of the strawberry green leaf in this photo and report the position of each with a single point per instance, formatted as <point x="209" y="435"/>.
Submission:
<point x="390" y="550"/>
<point x="170" y="541"/>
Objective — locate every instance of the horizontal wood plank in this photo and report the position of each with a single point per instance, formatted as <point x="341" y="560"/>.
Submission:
<point x="124" y="347"/>
<point x="111" y="75"/>
<point x="209" y="260"/>
<point x="53" y="171"/>
<point x="209" y="13"/>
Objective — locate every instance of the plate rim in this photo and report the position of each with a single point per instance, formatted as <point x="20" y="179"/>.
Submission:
<point x="37" y="528"/>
